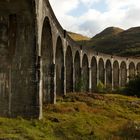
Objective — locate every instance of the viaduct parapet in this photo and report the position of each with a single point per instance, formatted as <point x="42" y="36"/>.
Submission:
<point x="39" y="60"/>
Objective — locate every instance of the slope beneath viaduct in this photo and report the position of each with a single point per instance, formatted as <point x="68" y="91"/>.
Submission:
<point x="39" y="61"/>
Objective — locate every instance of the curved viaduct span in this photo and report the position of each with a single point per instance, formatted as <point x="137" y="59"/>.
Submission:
<point x="39" y="60"/>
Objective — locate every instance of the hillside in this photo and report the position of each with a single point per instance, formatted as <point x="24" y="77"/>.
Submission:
<point x="80" y="117"/>
<point x="116" y="41"/>
<point x="78" y="37"/>
<point x="108" y="32"/>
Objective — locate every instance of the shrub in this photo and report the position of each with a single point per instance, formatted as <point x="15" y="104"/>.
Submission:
<point x="119" y="90"/>
<point x="133" y="87"/>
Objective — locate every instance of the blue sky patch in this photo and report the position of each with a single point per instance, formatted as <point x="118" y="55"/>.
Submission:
<point x="100" y="6"/>
<point x="80" y="10"/>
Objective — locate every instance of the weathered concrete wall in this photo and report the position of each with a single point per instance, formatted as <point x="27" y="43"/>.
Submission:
<point x="4" y="68"/>
<point x="18" y="69"/>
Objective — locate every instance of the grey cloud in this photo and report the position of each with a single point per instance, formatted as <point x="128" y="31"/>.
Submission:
<point x="133" y="14"/>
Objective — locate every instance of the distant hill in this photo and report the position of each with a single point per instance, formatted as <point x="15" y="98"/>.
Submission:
<point x="78" y="37"/>
<point x="108" y="32"/>
<point x="116" y="41"/>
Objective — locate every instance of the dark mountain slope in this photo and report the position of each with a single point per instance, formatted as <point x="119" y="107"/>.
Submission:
<point x="108" y="32"/>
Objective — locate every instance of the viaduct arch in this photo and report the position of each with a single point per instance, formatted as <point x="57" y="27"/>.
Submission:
<point x="131" y="71"/>
<point x="138" y="68"/>
<point x="116" y="77"/>
<point x="108" y="68"/>
<point x="59" y="67"/>
<point x="69" y="70"/>
<point x="47" y="61"/>
<point x="123" y="74"/>
<point x="94" y="73"/>
<point x="101" y="71"/>
<point x="77" y="72"/>
<point x="39" y="60"/>
<point x="85" y="73"/>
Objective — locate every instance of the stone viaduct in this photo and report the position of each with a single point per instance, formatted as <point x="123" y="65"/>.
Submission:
<point x="39" y="61"/>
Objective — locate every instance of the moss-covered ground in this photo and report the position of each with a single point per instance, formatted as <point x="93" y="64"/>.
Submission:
<point x="80" y="117"/>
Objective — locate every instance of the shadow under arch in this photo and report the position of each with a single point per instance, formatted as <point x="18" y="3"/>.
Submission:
<point x="101" y="70"/>
<point x="85" y="73"/>
<point x="69" y="70"/>
<point x="123" y="74"/>
<point x="116" y="74"/>
<point x="131" y="71"/>
<point x="47" y="62"/>
<point x="94" y="73"/>
<point x="108" y="68"/>
<point x="59" y="57"/>
<point x="138" y="69"/>
<point x="77" y="72"/>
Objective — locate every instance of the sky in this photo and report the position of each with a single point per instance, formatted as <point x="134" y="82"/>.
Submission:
<point x="89" y="17"/>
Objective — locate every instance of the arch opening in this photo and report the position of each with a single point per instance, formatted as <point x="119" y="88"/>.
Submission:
<point x="94" y="73"/>
<point x="123" y="74"/>
<point x="101" y="71"/>
<point x="85" y="74"/>
<point x="131" y="71"/>
<point x="59" y="68"/>
<point x="108" y="74"/>
<point x="69" y="70"/>
<point x="116" y="74"/>
<point x="47" y="62"/>
<point x="77" y="72"/>
<point x="138" y="69"/>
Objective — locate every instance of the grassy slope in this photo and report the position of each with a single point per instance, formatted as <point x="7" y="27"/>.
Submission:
<point x="78" y="37"/>
<point x="81" y="117"/>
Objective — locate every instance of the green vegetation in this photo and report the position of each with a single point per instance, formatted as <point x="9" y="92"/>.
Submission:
<point x="80" y="85"/>
<point x="133" y="87"/>
<point x="79" y="116"/>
